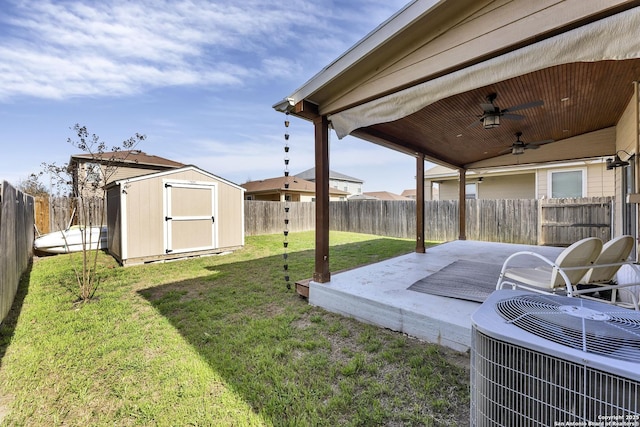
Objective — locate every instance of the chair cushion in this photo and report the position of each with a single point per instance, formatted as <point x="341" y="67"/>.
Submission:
<point x="582" y="253"/>
<point x="540" y="278"/>
<point x="615" y="250"/>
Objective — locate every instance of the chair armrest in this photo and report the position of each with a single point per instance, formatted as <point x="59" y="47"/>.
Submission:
<point x="511" y="257"/>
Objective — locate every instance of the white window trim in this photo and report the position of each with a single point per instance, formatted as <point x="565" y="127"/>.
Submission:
<point x="475" y="193"/>
<point x="550" y="181"/>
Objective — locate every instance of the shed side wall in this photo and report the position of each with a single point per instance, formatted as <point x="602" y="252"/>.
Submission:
<point x="230" y="216"/>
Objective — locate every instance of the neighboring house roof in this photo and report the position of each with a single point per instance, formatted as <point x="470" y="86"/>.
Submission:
<point x="131" y="157"/>
<point x="296" y="184"/>
<point x="362" y="197"/>
<point x="310" y="174"/>
<point x="410" y="193"/>
<point x="385" y="195"/>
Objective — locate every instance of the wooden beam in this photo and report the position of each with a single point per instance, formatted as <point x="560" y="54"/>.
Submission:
<point x="420" y="204"/>
<point x="462" y="215"/>
<point x="306" y="110"/>
<point x="321" y="273"/>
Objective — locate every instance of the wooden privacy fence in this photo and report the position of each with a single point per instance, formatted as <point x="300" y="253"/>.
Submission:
<point x="568" y="220"/>
<point x="268" y="217"/>
<point x="383" y="218"/>
<point x="56" y="213"/>
<point x="16" y="242"/>
<point x="557" y="222"/>
<point x="510" y="221"/>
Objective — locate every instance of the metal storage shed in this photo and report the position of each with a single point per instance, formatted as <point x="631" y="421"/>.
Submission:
<point x="173" y="214"/>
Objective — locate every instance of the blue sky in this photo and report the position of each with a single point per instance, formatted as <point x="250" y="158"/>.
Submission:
<point x="198" y="78"/>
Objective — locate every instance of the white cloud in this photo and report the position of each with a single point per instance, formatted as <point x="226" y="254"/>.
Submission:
<point x="65" y="49"/>
<point x="223" y="62"/>
<point x="257" y="159"/>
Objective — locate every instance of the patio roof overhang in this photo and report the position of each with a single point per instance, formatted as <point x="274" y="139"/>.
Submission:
<point x="582" y="70"/>
<point x="417" y="82"/>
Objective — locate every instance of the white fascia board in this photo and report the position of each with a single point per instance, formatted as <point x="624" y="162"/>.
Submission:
<point x="516" y="170"/>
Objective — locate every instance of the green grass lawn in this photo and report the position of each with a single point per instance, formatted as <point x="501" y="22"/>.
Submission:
<point x="217" y="341"/>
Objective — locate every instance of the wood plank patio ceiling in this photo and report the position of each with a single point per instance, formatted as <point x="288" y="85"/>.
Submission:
<point x="578" y="98"/>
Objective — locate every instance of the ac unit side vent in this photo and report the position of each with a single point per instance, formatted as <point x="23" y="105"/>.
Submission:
<point x="515" y="386"/>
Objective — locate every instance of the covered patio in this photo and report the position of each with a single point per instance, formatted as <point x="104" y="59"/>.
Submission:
<point x="380" y="293"/>
<point x="473" y="85"/>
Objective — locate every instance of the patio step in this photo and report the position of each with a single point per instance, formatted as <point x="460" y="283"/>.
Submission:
<point x="302" y="288"/>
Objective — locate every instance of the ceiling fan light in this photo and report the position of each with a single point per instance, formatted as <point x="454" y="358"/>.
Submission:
<point x="518" y="149"/>
<point x="491" y="121"/>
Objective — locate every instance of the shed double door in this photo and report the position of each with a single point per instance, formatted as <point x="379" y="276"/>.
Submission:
<point x="190" y="217"/>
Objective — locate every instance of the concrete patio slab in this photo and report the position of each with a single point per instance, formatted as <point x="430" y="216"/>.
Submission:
<point x="378" y="293"/>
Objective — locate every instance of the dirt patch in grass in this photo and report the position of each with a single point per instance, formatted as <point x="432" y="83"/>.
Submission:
<point x="5" y="404"/>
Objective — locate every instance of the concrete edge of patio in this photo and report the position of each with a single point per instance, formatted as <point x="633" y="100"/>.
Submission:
<point x="377" y="294"/>
<point x="429" y="327"/>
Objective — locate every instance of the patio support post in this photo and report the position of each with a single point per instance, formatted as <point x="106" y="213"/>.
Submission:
<point x="636" y="111"/>
<point x="462" y="209"/>
<point x="420" y="204"/>
<point x="321" y="128"/>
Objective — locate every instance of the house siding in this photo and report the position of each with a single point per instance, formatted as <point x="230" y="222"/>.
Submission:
<point x="521" y="186"/>
<point x="348" y="186"/>
<point x="626" y="137"/>
<point x="599" y="183"/>
<point x="508" y="187"/>
<point x="124" y="172"/>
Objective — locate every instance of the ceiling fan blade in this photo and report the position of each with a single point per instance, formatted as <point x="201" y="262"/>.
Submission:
<point x="474" y="124"/>
<point x="524" y="106"/>
<point x="539" y="143"/>
<point x="512" y="116"/>
<point x="508" y="150"/>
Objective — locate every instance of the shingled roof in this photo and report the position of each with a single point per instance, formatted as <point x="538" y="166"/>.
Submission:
<point x="134" y="157"/>
<point x="385" y="195"/>
<point x="310" y="174"/>
<point x="278" y="184"/>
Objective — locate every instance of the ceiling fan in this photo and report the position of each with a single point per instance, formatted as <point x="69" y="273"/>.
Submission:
<point x="492" y="113"/>
<point x="519" y="146"/>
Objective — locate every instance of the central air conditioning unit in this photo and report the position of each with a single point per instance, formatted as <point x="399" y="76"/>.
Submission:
<point x="550" y="360"/>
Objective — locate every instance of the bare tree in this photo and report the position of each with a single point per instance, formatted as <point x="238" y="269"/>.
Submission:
<point x="87" y="188"/>
<point x="32" y="186"/>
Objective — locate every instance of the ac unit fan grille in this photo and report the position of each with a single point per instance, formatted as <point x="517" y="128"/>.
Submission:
<point x="577" y="323"/>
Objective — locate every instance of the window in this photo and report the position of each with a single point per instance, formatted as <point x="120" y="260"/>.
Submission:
<point x="564" y="184"/>
<point x="471" y="191"/>
<point x="93" y="172"/>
